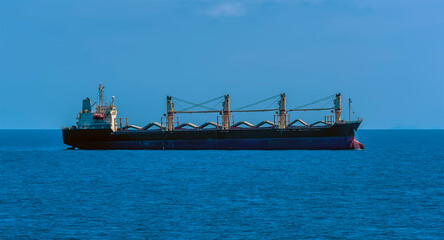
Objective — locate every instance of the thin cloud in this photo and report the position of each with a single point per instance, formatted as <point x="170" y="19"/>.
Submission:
<point x="226" y="9"/>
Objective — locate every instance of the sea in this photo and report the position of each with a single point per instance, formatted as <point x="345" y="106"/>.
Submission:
<point x="393" y="189"/>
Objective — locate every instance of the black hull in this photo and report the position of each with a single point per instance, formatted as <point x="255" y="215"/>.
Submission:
<point x="337" y="136"/>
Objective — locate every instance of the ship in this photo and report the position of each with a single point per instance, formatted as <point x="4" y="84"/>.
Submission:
<point x="101" y="129"/>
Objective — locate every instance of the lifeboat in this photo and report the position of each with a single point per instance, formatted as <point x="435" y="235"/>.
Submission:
<point x="98" y="116"/>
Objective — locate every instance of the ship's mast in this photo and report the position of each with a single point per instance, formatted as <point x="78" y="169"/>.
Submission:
<point x="338" y="108"/>
<point x="170" y="114"/>
<point x="101" y="94"/>
<point x="349" y="108"/>
<point x="226" y="113"/>
<point x="282" y="112"/>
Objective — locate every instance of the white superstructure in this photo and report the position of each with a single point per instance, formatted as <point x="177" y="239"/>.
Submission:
<point x="104" y="116"/>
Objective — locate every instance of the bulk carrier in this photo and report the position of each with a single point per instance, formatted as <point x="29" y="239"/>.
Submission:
<point x="101" y="129"/>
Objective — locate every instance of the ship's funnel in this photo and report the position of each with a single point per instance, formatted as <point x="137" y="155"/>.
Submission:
<point x="86" y="106"/>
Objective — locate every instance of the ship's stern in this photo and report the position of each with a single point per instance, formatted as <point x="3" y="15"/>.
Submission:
<point x="86" y="138"/>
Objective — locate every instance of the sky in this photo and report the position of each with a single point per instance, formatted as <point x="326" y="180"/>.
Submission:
<point x="386" y="55"/>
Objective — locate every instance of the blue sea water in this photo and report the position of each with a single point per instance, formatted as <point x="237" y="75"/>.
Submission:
<point x="394" y="189"/>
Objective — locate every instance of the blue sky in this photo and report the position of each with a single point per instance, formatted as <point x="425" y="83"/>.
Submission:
<point x="388" y="56"/>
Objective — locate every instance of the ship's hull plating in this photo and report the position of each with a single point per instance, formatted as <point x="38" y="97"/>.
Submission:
<point x="338" y="136"/>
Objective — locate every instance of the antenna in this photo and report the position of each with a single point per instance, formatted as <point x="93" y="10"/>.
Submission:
<point x="101" y="94"/>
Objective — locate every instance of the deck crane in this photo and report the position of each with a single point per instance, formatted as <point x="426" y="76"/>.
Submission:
<point x="226" y="111"/>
